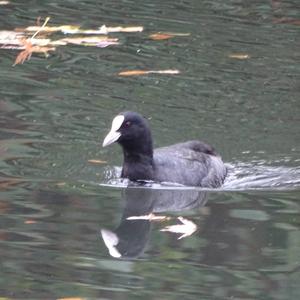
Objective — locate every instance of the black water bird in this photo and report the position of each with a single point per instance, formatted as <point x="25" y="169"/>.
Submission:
<point x="191" y="163"/>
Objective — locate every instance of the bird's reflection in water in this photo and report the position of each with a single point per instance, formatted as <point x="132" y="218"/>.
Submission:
<point x="129" y="239"/>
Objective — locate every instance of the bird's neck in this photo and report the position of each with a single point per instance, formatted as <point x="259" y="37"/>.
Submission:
<point x="138" y="161"/>
<point x="138" y="153"/>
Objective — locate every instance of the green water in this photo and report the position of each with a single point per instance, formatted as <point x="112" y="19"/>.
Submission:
<point x="56" y="111"/>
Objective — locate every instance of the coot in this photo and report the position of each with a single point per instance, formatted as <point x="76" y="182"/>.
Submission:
<point x="191" y="163"/>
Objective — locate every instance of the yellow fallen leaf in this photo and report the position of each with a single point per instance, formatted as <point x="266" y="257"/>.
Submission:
<point x="239" y="55"/>
<point x="97" y="161"/>
<point x="10" y="37"/>
<point x="70" y="28"/>
<point x="73" y="29"/>
<point x="144" y="72"/>
<point x="41" y="27"/>
<point x="91" y="41"/>
<point x="101" y="30"/>
<point x="104" y="29"/>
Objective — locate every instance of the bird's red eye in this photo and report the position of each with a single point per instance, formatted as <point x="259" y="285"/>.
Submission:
<point x="127" y="124"/>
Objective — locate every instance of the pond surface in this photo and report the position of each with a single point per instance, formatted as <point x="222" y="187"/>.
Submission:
<point x="64" y="229"/>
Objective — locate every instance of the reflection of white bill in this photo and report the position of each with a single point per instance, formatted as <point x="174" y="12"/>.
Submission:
<point x="111" y="241"/>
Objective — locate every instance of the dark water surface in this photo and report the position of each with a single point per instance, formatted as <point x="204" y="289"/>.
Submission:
<point x="55" y="112"/>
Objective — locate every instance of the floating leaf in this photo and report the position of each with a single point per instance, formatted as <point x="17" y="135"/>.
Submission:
<point x="290" y="21"/>
<point x="41" y="27"/>
<point x="239" y="55"/>
<point x="4" y="207"/>
<point x="187" y="228"/>
<point x="166" y="35"/>
<point x="106" y="30"/>
<point x="160" y="36"/>
<point x="73" y="29"/>
<point x="6" y="183"/>
<point x="72" y="298"/>
<point x="50" y="29"/>
<point x="91" y="41"/>
<point x="97" y="161"/>
<point x="10" y="38"/>
<point x="29" y="49"/>
<point x="30" y="222"/>
<point x="144" y="72"/>
<point x="106" y="43"/>
<point x="15" y="40"/>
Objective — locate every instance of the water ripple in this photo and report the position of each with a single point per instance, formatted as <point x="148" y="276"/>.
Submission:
<point x="241" y="176"/>
<point x="256" y="175"/>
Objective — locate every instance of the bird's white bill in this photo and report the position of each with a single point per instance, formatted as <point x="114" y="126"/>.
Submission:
<point x="114" y="135"/>
<point x="111" y="138"/>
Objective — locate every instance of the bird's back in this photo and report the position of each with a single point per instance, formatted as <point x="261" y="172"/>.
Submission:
<point x="192" y="163"/>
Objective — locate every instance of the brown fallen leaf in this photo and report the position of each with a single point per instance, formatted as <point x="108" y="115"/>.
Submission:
<point x="6" y="183"/>
<point x="30" y="222"/>
<point x="284" y="20"/>
<point x="29" y="49"/>
<point x="4" y="207"/>
<point x="160" y="36"/>
<point x="239" y="55"/>
<point x="144" y="72"/>
<point x="165" y="35"/>
<point x="72" y="298"/>
<point x="97" y="161"/>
